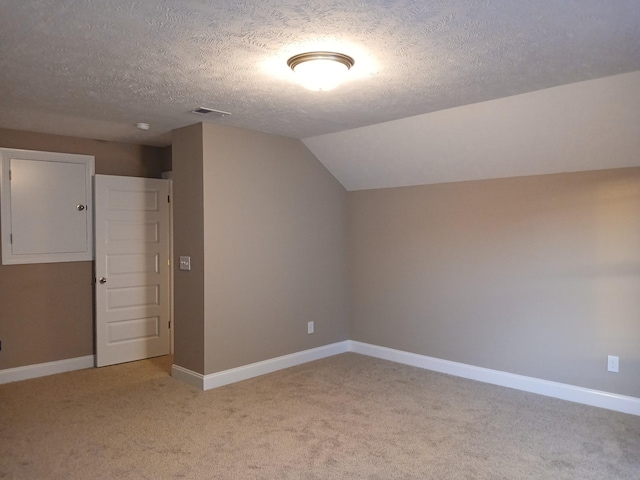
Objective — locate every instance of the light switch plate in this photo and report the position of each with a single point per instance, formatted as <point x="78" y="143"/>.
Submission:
<point x="185" y="263"/>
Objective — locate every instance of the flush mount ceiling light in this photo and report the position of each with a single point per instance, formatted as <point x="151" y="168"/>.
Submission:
<point x="320" y="70"/>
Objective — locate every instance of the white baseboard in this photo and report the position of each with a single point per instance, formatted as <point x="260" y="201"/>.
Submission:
<point x="16" y="374"/>
<point x="595" y="398"/>
<point x="188" y="376"/>
<point x="226" y="377"/>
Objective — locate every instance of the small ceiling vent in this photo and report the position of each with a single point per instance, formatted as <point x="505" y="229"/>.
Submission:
<point x="210" y="112"/>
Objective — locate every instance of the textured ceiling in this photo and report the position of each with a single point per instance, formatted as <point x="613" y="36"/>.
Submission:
<point x="95" y="68"/>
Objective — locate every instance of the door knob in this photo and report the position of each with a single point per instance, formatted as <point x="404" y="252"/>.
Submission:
<point x="103" y="280"/>
<point x="80" y="207"/>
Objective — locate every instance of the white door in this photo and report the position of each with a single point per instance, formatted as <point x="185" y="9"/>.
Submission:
<point x="47" y="212"/>
<point x="132" y="268"/>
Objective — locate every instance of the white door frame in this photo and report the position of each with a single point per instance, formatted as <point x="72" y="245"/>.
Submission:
<point x="169" y="176"/>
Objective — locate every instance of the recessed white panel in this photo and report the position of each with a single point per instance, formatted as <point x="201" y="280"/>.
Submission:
<point x="133" y="329"/>
<point x="44" y="214"/>
<point x="133" y="263"/>
<point x="129" y="297"/>
<point x="133" y="232"/>
<point x="132" y="200"/>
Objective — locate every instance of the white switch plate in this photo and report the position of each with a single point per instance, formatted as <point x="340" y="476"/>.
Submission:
<point x="613" y="363"/>
<point x="309" y="327"/>
<point x="185" y="263"/>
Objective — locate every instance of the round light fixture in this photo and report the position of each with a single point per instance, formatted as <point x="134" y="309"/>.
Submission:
<point x="321" y="70"/>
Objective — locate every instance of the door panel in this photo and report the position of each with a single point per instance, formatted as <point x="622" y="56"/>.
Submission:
<point x="135" y="263"/>
<point x="132" y="256"/>
<point x="134" y="329"/>
<point x="61" y="227"/>
<point x="129" y="297"/>
<point x="132" y="231"/>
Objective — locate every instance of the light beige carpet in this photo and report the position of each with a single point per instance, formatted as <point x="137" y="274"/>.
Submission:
<point x="345" y="417"/>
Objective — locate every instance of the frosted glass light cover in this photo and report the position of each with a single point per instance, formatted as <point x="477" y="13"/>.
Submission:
<point x="321" y="74"/>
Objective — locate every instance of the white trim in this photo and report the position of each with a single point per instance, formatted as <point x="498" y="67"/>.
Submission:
<point x="587" y="396"/>
<point x="226" y="377"/>
<point x="188" y="376"/>
<point x="16" y="374"/>
<point x="172" y="321"/>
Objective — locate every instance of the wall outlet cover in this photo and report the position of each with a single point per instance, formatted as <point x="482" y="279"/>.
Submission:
<point x="613" y="363"/>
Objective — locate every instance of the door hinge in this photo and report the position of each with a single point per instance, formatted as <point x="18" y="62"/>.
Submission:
<point x="9" y="175"/>
<point x="11" y="238"/>
<point x="169" y="324"/>
<point x="168" y="198"/>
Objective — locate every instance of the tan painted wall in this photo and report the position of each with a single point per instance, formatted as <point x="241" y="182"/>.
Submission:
<point x="274" y="229"/>
<point x="46" y="310"/>
<point x="111" y="158"/>
<point x="538" y="276"/>
<point x="188" y="239"/>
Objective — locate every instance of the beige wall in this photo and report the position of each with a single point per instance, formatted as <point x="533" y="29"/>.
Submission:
<point x="188" y="239"/>
<point x="535" y="275"/>
<point x="111" y="158"/>
<point x="274" y="249"/>
<point x="275" y="235"/>
<point x="46" y="310"/>
<point x="538" y="276"/>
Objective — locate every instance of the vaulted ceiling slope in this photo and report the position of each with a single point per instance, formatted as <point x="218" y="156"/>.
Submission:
<point x="590" y="125"/>
<point x="96" y="68"/>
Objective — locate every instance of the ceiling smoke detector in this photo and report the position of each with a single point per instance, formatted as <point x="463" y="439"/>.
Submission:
<point x="210" y="112"/>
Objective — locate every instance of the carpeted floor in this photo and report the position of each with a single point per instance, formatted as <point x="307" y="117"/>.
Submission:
<point x="344" y="417"/>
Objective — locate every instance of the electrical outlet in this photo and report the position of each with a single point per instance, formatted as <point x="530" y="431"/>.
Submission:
<point x="310" y="327"/>
<point x="613" y="363"/>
